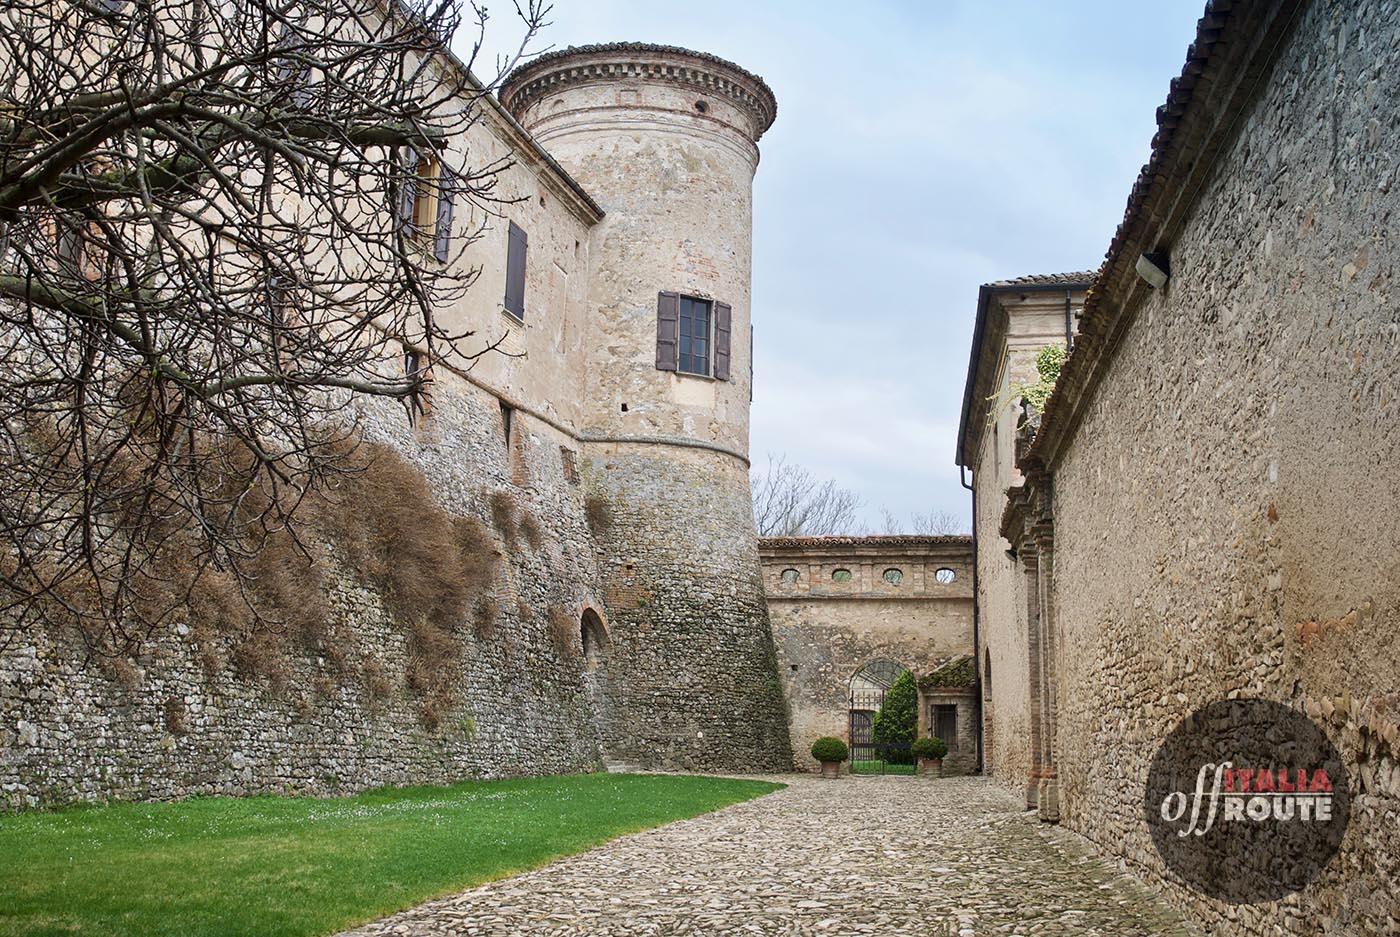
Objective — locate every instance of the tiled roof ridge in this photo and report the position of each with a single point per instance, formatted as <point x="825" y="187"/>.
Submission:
<point x="1075" y="278"/>
<point x="819" y="540"/>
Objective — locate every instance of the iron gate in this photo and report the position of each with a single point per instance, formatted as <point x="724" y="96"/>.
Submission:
<point x="867" y="755"/>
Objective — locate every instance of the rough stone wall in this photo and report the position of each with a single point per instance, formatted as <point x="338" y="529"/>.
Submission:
<point x="1226" y="514"/>
<point x="69" y="731"/>
<point x="826" y="631"/>
<point x="694" y="682"/>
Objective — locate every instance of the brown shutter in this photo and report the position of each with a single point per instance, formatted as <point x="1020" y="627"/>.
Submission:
<point x="515" y="271"/>
<point x="722" y="327"/>
<point x="442" y="242"/>
<point x="408" y="191"/>
<point x="668" y="330"/>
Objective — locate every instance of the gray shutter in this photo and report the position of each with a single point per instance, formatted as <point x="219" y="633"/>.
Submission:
<point x="518" y="243"/>
<point x="722" y="326"/>
<point x="668" y="330"/>
<point x="447" y="189"/>
<point x="408" y="191"/>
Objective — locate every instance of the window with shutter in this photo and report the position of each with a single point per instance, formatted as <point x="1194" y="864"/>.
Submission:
<point x="408" y="192"/>
<point x="694" y="336"/>
<point x="442" y="238"/>
<point x="415" y="368"/>
<point x="518" y="244"/>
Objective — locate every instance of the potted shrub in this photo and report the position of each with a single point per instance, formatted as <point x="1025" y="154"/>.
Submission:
<point x="830" y="752"/>
<point x="930" y="752"/>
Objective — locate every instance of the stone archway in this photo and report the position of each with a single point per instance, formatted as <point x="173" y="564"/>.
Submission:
<point x="868" y="686"/>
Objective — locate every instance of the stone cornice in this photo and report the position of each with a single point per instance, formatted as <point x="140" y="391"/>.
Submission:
<point x="617" y="60"/>
<point x="989" y="336"/>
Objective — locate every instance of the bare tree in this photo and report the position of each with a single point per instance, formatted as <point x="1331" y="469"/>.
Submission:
<point x="788" y="501"/>
<point x="933" y="523"/>
<point x="213" y="241"/>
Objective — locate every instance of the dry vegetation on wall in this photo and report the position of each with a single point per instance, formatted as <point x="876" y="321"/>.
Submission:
<point x="564" y="630"/>
<point x="378" y="526"/>
<point x="598" y="513"/>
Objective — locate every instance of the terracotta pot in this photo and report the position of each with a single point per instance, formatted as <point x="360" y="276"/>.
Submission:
<point x="933" y="766"/>
<point x="831" y="769"/>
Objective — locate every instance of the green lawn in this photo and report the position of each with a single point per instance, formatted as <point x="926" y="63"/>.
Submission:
<point x="873" y="767"/>
<point x="295" y="866"/>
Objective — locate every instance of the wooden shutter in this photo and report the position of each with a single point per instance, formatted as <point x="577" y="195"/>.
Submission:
<point x="722" y="328"/>
<point x="408" y="193"/>
<point x="668" y="330"/>
<point x="447" y="188"/>
<point x="515" y="271"/>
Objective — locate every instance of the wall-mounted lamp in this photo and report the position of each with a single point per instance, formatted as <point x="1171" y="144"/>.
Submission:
<point x="1154" y="268"/>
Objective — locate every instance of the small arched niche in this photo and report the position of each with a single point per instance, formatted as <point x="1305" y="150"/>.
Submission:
<point x="594" y="636"/>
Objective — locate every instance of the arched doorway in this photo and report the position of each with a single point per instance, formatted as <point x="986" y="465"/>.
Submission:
<point x="868" y="687"/>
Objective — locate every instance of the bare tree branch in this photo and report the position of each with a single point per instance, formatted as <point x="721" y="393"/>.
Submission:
<point x="211" y="247"/>
<point x="788" y="502"/>
<point x="935" y="522"/>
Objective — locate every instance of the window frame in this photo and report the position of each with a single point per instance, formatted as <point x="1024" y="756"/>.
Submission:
<point x="683" y="340"/>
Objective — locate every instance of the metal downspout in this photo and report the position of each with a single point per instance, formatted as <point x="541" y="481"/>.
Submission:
<point x="976" y="614"/>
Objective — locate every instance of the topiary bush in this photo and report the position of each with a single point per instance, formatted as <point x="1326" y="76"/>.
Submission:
<point x="897" y="722"/>
<point x="828" y="748"/>
<point x="932" y="747"/>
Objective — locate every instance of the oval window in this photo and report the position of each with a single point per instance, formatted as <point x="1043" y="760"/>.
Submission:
<point x="945" y="575"/>
<point x="841" y="575"/>
<point x="789" y="576"/>
<point x="894" y="576"/>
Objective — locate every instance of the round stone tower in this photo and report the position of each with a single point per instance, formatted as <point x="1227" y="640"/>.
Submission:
<point x="665" y="140"/>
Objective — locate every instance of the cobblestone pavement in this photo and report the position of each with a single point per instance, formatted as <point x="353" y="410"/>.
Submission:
<point x="952" y="857"/>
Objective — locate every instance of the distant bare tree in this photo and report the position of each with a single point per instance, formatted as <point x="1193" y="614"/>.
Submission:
<point x="934" y="522"/>
<point x="212" y="239"/>
<point x="788" y="501"/>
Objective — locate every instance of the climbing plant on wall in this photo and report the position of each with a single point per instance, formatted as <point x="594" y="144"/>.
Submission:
<point x="897" y="721"/>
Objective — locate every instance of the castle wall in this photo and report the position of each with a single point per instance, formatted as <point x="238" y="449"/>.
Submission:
<point x="1226" y="513"/>
<point x="695" y="680"/>
<point x="684" y="679"/>
<point x="826" y="631"/>
<point x="72" y="729"/>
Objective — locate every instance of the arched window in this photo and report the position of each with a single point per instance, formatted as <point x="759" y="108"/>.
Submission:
<point x="986" y="673"/>
<point x="594" y="635"/>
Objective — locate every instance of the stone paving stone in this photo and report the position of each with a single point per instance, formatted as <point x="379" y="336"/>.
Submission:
<point x="950" y="857"/>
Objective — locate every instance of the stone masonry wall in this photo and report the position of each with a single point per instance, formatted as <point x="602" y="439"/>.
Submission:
<point x="69" y="731"/>
<point x="694" y="682"/>
<point x="826" y="631"/>
<point x="1227" y="515"/>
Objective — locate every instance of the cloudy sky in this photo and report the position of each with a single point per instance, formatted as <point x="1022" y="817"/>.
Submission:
<point x="921" y="149"/>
